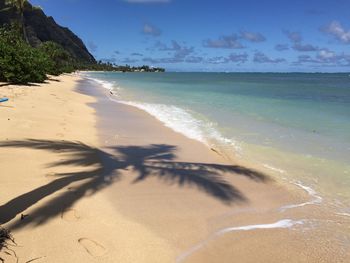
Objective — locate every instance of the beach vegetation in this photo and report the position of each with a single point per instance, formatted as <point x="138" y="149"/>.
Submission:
<point x="108" y="66"/>
<point x="62" y="61"/>
<point x="19" y="62"/>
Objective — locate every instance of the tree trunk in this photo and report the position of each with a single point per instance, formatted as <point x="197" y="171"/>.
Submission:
<point x="23" y="27"/>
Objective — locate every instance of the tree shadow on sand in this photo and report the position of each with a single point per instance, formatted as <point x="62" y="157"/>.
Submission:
<point x="105" y="167"/>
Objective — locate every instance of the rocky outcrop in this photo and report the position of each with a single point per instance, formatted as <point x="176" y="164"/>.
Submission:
<point x="41" y="28"/>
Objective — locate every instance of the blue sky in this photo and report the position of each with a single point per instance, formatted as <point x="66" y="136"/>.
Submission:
<point x="212" y="35"/>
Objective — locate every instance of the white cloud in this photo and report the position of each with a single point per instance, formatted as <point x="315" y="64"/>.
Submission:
<point x="178" y="53"/>
<point x="294" y="37"/>
<point x="252" y="36"/>
<point x="326" y="54"/>
<point x="297" y="40"/>
<point x="260" y="57"/>
<point x="230" y="42"/>
<point x="325" y="57"/>
<point x="337" y="30"/>
<point x="151" y="30"/>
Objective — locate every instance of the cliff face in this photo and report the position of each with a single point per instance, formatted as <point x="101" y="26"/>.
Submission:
<point x="41" y="28"/>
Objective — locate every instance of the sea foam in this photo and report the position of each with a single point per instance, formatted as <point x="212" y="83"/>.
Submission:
<point x="284" y="223"/>
<point x="105" y="84"/>
<point x="178" y="119"/>
<point x="184" y="122"/>
<point x="316" y="199"/>
<point x="272" y="168"/>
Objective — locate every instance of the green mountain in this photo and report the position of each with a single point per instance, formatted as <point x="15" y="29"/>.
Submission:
<point x="41" y="28"/>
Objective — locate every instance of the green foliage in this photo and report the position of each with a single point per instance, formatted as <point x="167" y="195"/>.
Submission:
<point x="19" y="6"/>
<point x="61" y="59"/>
<point x="19" y="62"/>
<point x="102" y="66"/>
<point x="16" y="3"/>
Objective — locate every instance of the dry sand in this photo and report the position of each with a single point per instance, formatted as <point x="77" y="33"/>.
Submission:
<point x="85" y="179"/>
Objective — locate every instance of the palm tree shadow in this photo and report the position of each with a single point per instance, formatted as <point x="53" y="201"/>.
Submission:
<point x="103" y="168"/>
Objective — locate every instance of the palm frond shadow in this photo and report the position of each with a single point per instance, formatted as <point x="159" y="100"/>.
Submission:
<point x="105" y="167"/>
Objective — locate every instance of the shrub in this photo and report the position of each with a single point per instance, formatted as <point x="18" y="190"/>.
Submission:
<point x="19" y="62"/>
<point x="62" y="62"/>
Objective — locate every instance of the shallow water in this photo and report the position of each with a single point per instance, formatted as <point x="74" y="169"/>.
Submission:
<point x="296" y="126"/>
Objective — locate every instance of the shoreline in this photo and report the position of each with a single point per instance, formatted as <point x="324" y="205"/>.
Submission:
<point x="300" y="195"/>
<point x="326" y="176"/>
<point x="230" y="157"/>
<point x="152" y="178"/>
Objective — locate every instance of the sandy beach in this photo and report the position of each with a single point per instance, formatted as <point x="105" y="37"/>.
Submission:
<point x="87" y="179"/>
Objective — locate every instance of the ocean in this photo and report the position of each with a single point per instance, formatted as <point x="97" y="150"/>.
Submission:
<point x="295" y="126"/>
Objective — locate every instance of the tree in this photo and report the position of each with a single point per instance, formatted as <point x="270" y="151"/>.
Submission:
<point x="19" y="6"/>
<point x="62" y="61"/>
<point x="19" y="62"/>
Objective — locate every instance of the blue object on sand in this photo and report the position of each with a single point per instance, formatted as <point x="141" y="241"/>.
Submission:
<point x="4" y="99"/>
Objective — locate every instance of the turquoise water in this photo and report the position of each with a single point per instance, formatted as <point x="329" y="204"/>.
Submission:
<point x="295" y="125"/>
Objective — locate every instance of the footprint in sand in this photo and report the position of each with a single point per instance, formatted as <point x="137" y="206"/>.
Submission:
<point x="92" y="247"/>
<point x="70" y="215"/>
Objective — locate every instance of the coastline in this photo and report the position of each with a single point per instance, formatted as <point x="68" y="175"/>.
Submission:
<point x="258" y="129"/>
<point x="158" y="196"/>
